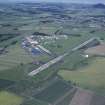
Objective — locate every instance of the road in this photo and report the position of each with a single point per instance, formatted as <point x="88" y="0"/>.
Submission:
<point x="44" y="49"/>
<point x="59" y="58"/>
<point x="86" y="42"/>
<point x="45" y="66"/>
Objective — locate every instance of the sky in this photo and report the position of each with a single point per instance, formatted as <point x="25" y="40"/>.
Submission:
<point x="73" y="1"/>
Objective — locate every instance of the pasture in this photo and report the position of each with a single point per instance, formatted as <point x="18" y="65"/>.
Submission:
<point x="52" y="93"/>
<point x="91" y="76"/>
<point x="15" y="56"/>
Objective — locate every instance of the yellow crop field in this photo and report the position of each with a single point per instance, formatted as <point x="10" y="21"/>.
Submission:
<point x="7" y="98"/>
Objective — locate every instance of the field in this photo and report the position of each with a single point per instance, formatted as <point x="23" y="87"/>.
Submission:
<point x="82" y="97"/>
<point x="15" y="56"/>
<point x="91" y="76"/>
<point x="17" y="62"/>
<point x="5" y="83"/>
<point x="98" y="50"/>
<point x="35" y="102"/>
<point x="7" y="98"/>
<point x="86" y="97"/>
<point x="64" y="45"/>
<point x="72" y="61"/>
<point x="50" y="93"/>
<point x="55" y="84"/>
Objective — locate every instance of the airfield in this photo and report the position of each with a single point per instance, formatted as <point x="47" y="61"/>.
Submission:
<point x="52" y="54"/>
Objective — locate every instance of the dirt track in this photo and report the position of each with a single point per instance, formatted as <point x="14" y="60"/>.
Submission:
<point x="82" y="97"/>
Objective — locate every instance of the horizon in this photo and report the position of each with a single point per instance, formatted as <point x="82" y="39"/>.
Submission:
<point x="58" y="1"/>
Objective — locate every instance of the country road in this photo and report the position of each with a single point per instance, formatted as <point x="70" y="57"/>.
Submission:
<point x="59" y="58"/>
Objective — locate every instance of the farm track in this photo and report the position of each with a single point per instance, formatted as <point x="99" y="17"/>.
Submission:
<point x="82" y="97"/>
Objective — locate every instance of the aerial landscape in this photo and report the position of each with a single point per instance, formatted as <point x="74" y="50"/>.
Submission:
<point x="52" y="53"/>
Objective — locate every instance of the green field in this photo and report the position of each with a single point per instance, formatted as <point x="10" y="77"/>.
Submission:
<point x="7" y="98"/>
<point x="64" y="45"/>
<point x="54" y="91"/>
<point x="55" y="85"/>
<point x="91" y="76"/>
<point x="15" y="56"/>
<point x="16" y="63"/>
<point x="35" y="102"/>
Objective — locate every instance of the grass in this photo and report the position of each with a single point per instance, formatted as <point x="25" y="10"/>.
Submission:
<point x="54" y="91"/>
<point x="44" y="75"/>
<point x="35" y="102"/>
<point x="72" y="61"/>
<point x="7" y="98"/>
<point x="20" y="72"/>
<point x="15" y="67"/>
<point x="14" y="74"/>
<point x="64" y="45"/>
<point x="15" y="56"/>
<point x="91" y="76"/>
<point x="5" y="83"/>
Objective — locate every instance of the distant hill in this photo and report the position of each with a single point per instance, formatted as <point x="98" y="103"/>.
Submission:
<point x="100" y="5"/>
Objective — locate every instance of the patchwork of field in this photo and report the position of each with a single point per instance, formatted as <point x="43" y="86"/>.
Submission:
<point x="15" y="56"/>
<point x="78" y="24"/>
<point x="54" y="92"/>
<point x="17" y="62"/>
<point x="35" y="102"/>
<point x="7" y="98"/>
<point x="64" y="45"/>
<point x="91" y="76"/>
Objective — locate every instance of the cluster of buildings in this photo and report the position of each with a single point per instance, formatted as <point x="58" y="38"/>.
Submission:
<point x="33" y="46"/>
